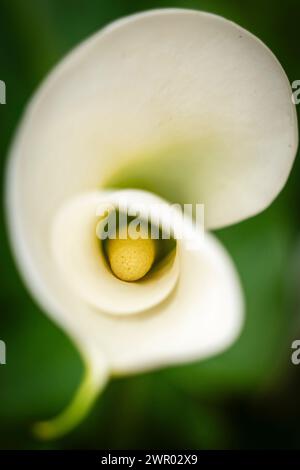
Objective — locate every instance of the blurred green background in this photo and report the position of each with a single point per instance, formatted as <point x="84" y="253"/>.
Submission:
<point x="244" y="398"/>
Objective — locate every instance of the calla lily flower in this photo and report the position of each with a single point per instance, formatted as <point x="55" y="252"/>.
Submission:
<point x="166" y="106"/>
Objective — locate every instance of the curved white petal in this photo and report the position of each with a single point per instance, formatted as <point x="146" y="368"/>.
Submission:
<point x="182" y="103"/>
<point x="77" y="252"/>
<point x="201" y="317"/>
<point x="188" y="105"/>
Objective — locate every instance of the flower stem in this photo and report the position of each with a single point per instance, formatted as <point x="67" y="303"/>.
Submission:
<point x="75" y="411"/>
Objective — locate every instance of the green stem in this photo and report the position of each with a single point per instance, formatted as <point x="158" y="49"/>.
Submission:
<point x="75" y="411"/>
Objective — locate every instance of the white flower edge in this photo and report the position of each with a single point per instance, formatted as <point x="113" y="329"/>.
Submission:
<point x="213" y="105"/>
<point x="202" y="315"/>
<point x="84" y="322"/>
<point x="165" y="97"/>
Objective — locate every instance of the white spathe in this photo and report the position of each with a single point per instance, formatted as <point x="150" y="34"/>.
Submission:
<point x="184" y="104"/>
<point x="189" y="309"/>
<point x="86" y="270"/>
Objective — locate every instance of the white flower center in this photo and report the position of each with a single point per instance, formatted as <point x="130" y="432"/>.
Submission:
<point x="130" y="260"/>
